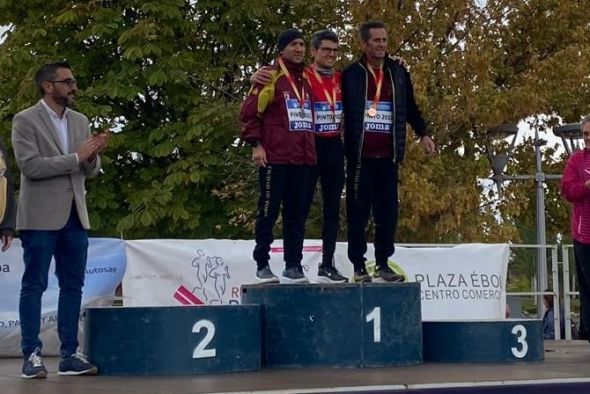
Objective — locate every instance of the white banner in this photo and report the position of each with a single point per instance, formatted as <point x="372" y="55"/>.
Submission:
<point x="464" y="282"/>
<point x="104" y="272"/>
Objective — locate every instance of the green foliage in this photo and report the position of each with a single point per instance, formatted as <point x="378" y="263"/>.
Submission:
<point x="169" y="75"/>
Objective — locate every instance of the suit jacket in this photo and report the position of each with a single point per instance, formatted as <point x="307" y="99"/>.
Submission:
<point x="50" y="178"/>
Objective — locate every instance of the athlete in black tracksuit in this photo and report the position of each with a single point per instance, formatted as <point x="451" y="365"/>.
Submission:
<point x="372" y="172"/>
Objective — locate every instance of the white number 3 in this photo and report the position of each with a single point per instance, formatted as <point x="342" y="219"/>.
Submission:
<point x="520" y="333"/>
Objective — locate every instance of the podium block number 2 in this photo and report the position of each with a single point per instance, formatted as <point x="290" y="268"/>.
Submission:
<point x="520" y="331"/>
<point x="375" y="317"/>
<point x="201" y="350"/>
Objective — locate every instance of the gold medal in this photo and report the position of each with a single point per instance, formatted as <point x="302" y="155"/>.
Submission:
<point x="300" y="97"/>
<point x="372" y="112"/>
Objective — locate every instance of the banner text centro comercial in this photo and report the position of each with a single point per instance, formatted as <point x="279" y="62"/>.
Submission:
<point x="461" y="282"/>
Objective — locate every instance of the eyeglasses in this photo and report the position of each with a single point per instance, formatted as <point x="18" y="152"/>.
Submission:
<point x="329" y="50"/>
<point x="68" y="81"/>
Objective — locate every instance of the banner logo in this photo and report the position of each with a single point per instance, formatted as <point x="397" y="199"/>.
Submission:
<point x="185" y="297"/>
<point x="212" y="274"/>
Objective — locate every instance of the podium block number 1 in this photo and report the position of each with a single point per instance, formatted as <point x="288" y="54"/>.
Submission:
<point x="375" y="317"/>
<point x="520" y="331"/>
<point x="201" y="351"/>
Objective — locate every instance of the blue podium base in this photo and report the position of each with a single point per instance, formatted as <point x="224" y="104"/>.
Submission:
<point x="173" y="340"/>
<point x="344" y="325"/>
<point x="484" y="341"/>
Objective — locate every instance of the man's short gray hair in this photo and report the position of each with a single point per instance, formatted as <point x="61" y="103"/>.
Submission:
<point x="584" y="121"/>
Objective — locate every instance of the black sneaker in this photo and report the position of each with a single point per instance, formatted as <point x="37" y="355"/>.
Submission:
<point x="76" y="365"/>
<point x="265" y="275"/>
<point x="33" y="367"/>
<point x="360" y="276"/>
<point x="386" y="275"/>
<point x="294" y="275"/>
<point x="329" y="274"/>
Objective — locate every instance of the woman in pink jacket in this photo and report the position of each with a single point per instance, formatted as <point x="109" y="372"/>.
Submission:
<point x="575" y="186"/>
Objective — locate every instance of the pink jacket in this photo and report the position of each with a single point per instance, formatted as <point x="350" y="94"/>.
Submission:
<point x="576" y="173"/>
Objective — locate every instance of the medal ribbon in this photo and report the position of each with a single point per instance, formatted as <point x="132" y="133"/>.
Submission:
<point x="331" y="99"/>
<point x="300" y="96"/>
<point x="379" y="83"/>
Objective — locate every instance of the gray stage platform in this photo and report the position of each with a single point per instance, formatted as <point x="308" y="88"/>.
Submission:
<point x="567" y="364"/>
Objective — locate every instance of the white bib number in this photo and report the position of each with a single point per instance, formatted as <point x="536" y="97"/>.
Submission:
<point x="326" y="120"/>
<point x="300" y="119"/>
<point x="382" y="122"/>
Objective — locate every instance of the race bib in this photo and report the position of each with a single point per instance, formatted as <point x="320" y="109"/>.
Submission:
<point x="326" y="120"/>
<point x="382" y="122"/>
<point x="299" y="119"/>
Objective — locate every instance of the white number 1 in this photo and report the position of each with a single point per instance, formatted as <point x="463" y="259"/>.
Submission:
<point x="520" y="333"/>
<point x="375" y="317"/>
<point x="200" y="351"/>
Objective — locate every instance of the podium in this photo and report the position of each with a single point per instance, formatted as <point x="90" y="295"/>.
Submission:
<point x="173" y="340"/>
<point x="340" y="325"/>
<point x="298" y="326"/>
<point x="484" y="341"/>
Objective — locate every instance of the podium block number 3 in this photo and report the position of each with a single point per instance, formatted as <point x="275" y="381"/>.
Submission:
<point x="520" y="331"/>
<point x="375" y="317"/>
<point x="201" y="351"/>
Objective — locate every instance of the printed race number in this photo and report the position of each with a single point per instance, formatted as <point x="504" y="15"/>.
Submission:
<point x="520" y="331"/>
<point x="375" y="317"/>
<point x="201" y="351"/>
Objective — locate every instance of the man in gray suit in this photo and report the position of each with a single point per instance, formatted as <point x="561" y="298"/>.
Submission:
<point x="55" y="153"/>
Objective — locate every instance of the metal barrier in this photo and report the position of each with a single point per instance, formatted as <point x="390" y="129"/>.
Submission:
<point x="541" y="291"/>
<point x="569" y="285"/>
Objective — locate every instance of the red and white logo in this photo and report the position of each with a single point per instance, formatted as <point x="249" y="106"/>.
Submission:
<point x="186" y="297"/>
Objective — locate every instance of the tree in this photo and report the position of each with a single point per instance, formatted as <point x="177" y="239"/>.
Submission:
<point x="170" y="76"/>
<point x="475" y="66"/>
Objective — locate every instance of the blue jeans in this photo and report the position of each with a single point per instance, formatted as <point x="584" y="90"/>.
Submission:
<point x="69" y="246"/>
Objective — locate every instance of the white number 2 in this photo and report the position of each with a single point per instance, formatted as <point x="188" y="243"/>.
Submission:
<point x="200" y="351"/>
<point x="520" y="333"/>
<point x="375" y="317"/>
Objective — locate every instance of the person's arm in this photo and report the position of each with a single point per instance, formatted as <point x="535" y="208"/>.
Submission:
<point x="573" y="188"/>
<point x="252" y="110"/>
<point x="400" y="60"/>
<point x="250" y="119"/>
<point x="262" y="76"/>
<point x="414" y="114"/>
<point x="415" y="118"/>
<point x="8" y="224"/>
<point x="92" y="165"/>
